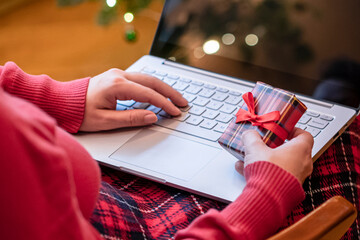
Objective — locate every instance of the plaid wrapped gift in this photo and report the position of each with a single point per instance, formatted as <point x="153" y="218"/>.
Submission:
<point x="272" y="112"/>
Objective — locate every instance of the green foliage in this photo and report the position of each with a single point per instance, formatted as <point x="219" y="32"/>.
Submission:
<point x="108" y="14"/>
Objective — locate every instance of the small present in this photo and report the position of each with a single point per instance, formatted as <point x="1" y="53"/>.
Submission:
<point x="272" y="112"/>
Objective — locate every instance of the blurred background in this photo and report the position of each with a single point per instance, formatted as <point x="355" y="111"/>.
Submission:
<point x="73" y="39"/>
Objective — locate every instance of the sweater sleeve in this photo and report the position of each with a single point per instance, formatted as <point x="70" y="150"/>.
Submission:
<point x="269" y="196"/>
<point x="64" y="101"/>
<point x="39" y="195"/>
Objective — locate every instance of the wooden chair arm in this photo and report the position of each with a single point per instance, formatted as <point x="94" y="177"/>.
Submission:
<point x="330" y="220"/>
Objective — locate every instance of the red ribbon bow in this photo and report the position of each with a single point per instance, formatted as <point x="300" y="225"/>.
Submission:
<point x="266" y="121"/>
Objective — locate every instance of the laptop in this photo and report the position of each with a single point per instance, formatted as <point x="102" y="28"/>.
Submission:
<point x="213" y="52"/>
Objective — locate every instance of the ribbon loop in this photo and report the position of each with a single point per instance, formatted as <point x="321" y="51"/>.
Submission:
<point x="266" y="121"/>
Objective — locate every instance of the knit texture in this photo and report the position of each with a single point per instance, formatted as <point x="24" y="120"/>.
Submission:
<point x="64" y="101"/>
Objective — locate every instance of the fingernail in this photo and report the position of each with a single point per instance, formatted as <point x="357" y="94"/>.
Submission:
<point x="178" y="111"/>
<point x="150" y="118"/>
<point x="242" y="137"/>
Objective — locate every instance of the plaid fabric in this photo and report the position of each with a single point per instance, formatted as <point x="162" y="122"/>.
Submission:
<point x="267" y="99"/>
<point x="130" y="207"/>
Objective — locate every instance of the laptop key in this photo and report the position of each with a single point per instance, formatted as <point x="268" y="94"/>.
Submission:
<point x="234" y="100"/>
<point x="223" y="90"/>
<point x="185" y="109"/>
<point x="141" y="105"/>
<point x="207" y="93"/>
<point x="304" y="119"/>
<point x="301" y="126"/>
<point x="318" y="123"/>
<point x="326" y="117"/>
<point x="313" y="131"/>
<point x="148" y="70"/>
<point x="172" y="76"/>
<point x="189" y="129"/>
<point x="127" y="103"/>
<point x="214" y="105"/>
<point x="182" y="117"/>
<point x="165" y="114"/>
<point x="154" y="109"/>
<point x="196" y="110"/>
<point x="238" y="94"/>
<point x="187" y="80"/>
<point x="210" y="114"/>
<point x="161" y="74"/>
<point x="194" y="120"/>
<point x="197" y="83"/>
<point x="208" y="124"/>
<point x="180" y="86"/>
<point x="226" y="108"/>
<point x="209" y="86"/>
<point x="312" y="114"/>
<point x="201" y="101"/>
<point x="121" y="107"/>
<point x="220" y="127"/>
<point x="193" y="89"/>
<point x="169" y="81"/>
<point x="189" y="97"/>
<point x="219" y="96"/>
<point x="224" y="118"/>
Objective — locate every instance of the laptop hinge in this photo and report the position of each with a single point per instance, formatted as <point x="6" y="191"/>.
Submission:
<point x="314" y="101"/>
<point x="209" y="74"/>
<point x="238" y="81"/>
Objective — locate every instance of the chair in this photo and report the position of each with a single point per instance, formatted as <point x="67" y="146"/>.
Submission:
<point x="329" y="221"/>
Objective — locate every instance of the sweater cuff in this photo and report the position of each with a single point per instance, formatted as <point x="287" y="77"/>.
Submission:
<point x="271" y="193"/>
<point x="64" y="101"/>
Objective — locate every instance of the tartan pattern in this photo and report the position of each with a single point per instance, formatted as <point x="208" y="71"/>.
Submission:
<point x="267" y="99"/>
<point x="130" y="207"/>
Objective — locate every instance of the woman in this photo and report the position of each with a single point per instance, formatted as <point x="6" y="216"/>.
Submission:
<point x="50" y="183"/>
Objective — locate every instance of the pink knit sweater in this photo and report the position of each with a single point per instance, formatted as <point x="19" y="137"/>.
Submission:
<point x="50" y="183"/>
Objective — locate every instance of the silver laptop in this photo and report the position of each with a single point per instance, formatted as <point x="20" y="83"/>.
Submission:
<point x="214" y="51"/>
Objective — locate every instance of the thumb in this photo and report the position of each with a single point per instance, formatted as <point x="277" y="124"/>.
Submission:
<point x="252" y="141"/>
<point x="255" y="148"/>
<point x="129" y="118"/>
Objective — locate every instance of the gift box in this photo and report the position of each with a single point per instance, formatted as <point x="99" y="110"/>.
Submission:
<point x="272" y="112"/>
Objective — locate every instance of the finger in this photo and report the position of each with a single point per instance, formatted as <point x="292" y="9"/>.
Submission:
<point x="299" y="135"/>
<point x="252" y="142"/>
<point x="239" y="166"/>
<point x="128" y="118"/>
<point x="159" y="86"/>
<point x="131" y="90"/>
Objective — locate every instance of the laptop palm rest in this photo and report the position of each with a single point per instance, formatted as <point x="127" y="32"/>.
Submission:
<point x="166" y="154"/>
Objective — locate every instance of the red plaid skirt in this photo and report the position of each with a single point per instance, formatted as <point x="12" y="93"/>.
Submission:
<point x="130" y="207"/>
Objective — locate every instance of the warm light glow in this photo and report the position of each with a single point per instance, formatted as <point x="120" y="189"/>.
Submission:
<point x="251" y="39"/>
<point x="111" y="3"/>
<point x="199" y="53"/>
<point x="211" y="46"/>
<point x="128" y="17"/>
<point x="228" y="38"/>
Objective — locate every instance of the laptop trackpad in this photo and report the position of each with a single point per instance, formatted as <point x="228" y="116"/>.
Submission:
<point x="166" y="154"/>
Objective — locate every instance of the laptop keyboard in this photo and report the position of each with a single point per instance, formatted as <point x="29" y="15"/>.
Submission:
<point x="210" y="108"/>
<point x="314" y="122"/>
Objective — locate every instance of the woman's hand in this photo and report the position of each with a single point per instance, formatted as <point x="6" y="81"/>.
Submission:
<point x="115" y="84"/>
<point x="293" y="156"/>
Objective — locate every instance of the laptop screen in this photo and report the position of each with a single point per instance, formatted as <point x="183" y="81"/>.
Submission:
<point x="305" y="46"/>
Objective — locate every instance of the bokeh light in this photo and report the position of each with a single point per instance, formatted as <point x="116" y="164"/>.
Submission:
<point x="228" y="38"/>
<point x="128" y="17"/>
<point x="111" y="3"/>
<point x="251" y="39"/>
<point x="211" y="46"/>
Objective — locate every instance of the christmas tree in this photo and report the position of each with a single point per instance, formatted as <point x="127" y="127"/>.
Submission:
<point x="110" y="9"/>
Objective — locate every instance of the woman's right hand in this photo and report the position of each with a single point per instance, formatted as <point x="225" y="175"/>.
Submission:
<point x="293" y="156"/>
